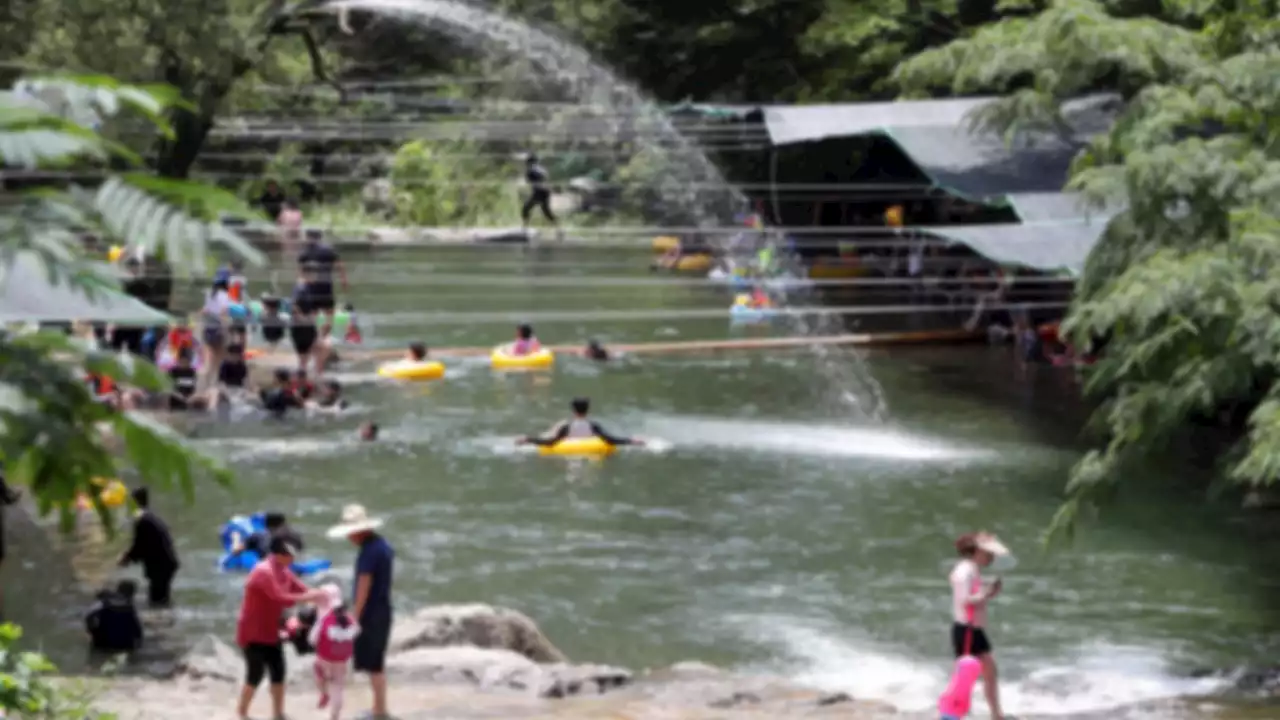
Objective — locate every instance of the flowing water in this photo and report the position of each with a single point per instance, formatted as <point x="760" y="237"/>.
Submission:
<point x="764" y="529"/>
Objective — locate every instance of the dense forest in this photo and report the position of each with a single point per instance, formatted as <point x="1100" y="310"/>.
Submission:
<point x="1183" y="284"/>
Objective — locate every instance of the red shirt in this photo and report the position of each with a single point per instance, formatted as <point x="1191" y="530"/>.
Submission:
<point x="268" y="592"/>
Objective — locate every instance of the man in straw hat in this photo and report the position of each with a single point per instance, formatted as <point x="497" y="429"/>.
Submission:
<point x="969" y="597"/>
<point x="372" y="603"/>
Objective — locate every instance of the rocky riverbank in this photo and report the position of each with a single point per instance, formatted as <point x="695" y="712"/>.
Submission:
<point x="476" y="661"/>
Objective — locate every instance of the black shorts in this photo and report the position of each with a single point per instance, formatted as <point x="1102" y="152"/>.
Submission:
<point x="978" y="644"/>
<point x="321" y="296"/>
<point x="273" y="333"/>
<point x="127" y="338"/>
<point x="214" y="337"/>
<point x="304" y="337"/>
<point x="260" y="660"/>
<point x="370" y="654"/>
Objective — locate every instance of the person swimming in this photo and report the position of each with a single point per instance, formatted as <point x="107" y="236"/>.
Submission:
<point x="595" y="351"/>
<point x="577" y="427"/>
<point x="280" y="397"/>
<point x="329" y="398"/>
<point x="369" y="431"/>
<point x="526" y="343"/>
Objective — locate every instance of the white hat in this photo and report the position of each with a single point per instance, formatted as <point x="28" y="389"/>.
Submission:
<point x="991" y="544"/>
<point x="355" y="519"/>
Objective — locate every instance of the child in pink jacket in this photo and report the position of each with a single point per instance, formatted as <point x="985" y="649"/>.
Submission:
<point x="333" y="636"/>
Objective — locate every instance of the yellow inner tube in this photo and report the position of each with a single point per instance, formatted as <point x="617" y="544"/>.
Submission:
<point x="114" y="253"/>
<point x="665" y="243"/>
<point x="694" y="263"/>
<point x="578" y="446"/>
<point x="114" y="495"/>
<point x="502" y="361"/>
<point x="412" y="370"/>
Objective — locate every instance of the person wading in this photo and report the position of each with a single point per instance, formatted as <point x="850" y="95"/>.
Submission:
<point x="969" y="598"/>
<point x="152" y="547"/>
<point x="317" y="262"/>
<point x="372" y="605"/>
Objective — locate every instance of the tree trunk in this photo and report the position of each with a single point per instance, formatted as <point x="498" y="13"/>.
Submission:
<point x="190" y="130"/>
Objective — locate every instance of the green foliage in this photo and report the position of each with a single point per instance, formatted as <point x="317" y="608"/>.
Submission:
<point x="1183" y="283"/>
<point x="54" y="438"/>
<point x="26" y="688"/>
<point x="437" y="191"/>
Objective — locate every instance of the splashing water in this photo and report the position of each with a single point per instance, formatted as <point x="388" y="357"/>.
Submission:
<point x="609" y="106"/>
<point x="689" y="186"/>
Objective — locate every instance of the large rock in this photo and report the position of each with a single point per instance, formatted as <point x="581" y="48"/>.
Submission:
<point x="498" y="669"/>
<point x="477" y="625"/>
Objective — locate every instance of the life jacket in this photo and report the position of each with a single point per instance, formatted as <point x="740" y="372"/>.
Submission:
<point x="335" y="643"/>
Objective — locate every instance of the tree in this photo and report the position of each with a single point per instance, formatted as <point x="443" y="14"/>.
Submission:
<point x="203" y="49"/>
<point x="1184" y="281"/>
<point x="55" y="439"/>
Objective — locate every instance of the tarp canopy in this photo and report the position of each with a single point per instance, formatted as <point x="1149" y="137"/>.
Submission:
<point x="1047" y="246"/>
<point x="939" y="137"/>
<point x="28" y="295"/>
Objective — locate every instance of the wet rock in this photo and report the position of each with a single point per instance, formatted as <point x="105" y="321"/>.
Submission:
<point x="738" y="698"/>
<point x="499" y="669"/>
<point x="210" y="659"/>
<point x="480" y="626"/>
<point x="834" y="699"/>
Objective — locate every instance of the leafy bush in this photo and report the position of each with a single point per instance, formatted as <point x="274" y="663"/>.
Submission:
<point x="26" y="687"/>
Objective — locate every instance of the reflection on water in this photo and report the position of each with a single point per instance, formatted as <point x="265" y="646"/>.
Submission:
<point x="768" y="531"/>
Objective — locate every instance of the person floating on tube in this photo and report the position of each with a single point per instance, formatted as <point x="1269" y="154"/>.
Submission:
<point x="577" y="427"/>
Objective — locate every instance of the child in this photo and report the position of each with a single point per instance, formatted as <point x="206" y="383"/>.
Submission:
<point x="526" y="343"/>
<point x="333" y="636"/>
<point x="352" y="335"/>
<point x="417" y="352"/>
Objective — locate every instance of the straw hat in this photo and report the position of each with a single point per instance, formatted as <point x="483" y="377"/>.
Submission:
<point x="355" y="519"/>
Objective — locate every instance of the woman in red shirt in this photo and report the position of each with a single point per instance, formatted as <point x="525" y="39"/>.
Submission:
<point x="270" y="589"/>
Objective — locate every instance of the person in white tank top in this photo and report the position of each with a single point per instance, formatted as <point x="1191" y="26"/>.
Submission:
<point x="969" y="598"/>
<point x="577" y="427"/>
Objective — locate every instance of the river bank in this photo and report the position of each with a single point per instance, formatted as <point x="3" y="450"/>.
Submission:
<point x="478" y="661"/>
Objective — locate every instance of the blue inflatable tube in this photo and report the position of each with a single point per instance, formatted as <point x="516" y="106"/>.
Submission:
<point x="238" y="530"/>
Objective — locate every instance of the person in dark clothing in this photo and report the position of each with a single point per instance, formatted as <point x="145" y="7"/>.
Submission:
<point x="272" y="321"/>
<point x="112" y="622"/>
<point x="8" y="496"/>
<point x="277" y="527"/>
<point x="280" y="398"/>
<point x="272" y="200"/>
<point x="234" y="371"/>
<point x="577" y="427"/>
<point x="318" y="261"/>
<point x="371" y="606"/>
<point x="184" y="395"/>
<point x="595" y="351"/>
<point x="539" y="194"/>
<point x="152" y="547"/>
<point x="302" y="325"/>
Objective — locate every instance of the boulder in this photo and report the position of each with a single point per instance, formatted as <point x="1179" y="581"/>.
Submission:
<point x="477" y="625"/>
<point x="500" y="669"/>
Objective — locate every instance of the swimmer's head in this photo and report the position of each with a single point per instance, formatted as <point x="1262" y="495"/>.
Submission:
<point x="127" y="589"/>
<point x="369" y="431"/>
<point x="580" y="406"/>
<point x="524" y="332"/>
<point x="274" y="520"/>
<point x="333" y="388"/>
<point x="418" y="351"/>
<point x="282" y="375"/>
<point x="349" y="307"/>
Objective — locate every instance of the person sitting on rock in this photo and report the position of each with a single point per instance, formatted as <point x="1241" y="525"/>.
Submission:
<point x="112" y="623"/>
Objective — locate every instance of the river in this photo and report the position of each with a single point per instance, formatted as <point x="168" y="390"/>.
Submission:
<point x="768" y="528"/>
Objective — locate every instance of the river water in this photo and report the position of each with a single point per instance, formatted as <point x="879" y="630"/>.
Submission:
<point x="768" y="528"/>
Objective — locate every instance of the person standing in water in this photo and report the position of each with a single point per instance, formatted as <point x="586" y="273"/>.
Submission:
<point x="539" y="195"/>
<point x="969" y="598"/>
<point x="577" y="427"/>
<point x="152" y="547"/>
<point x="318" y="262"/>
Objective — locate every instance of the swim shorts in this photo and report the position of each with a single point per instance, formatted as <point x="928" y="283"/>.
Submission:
<point x="978" y="645"/>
